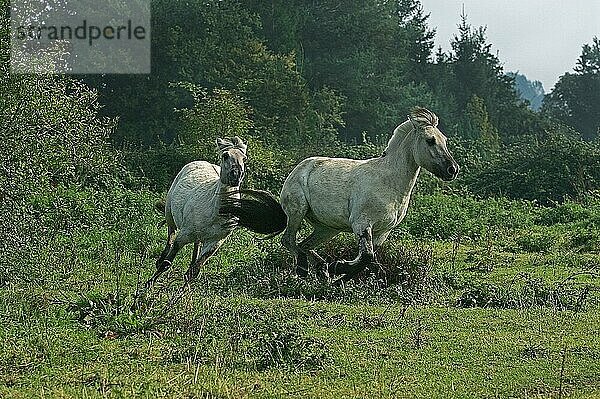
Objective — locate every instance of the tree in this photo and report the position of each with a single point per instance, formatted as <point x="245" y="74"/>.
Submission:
<point x="211" y="44"/>
<point x="368" y="52"/>
<point x="589" y="61"/>
<point x="216" y="114"/>
<point x="483" y="130"/>
<point x="575" y="99"/>
<point x="471" y="70"/>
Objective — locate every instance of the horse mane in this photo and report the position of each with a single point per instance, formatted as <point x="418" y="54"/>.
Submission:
<point x="424" y="117"/>
<point x="419" y="115"/>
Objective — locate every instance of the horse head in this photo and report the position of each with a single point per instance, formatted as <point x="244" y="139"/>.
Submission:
<point x="233" y="156"/>
<point x="430" y="151"/>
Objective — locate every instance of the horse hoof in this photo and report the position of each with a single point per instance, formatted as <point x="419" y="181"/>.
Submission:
<point x="164" y="265"/>
<point x="375" y="267"/>
<point x="338" y="282"/>
<point x="188" y="278"/>
<point x="301" y="271"/>
<point x="136" y="306"/>
<point x="336" y="268"/>
<point x="332" y="269"/>
<point x="321" y="273"/>
<point x="317" y="259"/>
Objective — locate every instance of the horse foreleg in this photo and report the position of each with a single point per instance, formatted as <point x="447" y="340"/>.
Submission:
<point x="366" y="255"/>
<point x="167" y="261"/>
<point x="195" y="252"/>
<point x="168" y="245"/>
<point x="208" y="250"/>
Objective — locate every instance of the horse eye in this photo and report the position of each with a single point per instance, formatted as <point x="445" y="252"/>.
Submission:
<point x="431" y="141"/>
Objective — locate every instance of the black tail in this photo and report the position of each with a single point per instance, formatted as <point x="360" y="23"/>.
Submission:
<point x="259" y="212"/>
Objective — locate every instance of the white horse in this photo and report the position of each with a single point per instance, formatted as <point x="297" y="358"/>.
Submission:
<point x="192" y="207"/>
<point x="366" y="197"/>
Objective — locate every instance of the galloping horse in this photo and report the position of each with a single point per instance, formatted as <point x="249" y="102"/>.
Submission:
<point x="192" y="207"/>
<point x="366" y="197"/>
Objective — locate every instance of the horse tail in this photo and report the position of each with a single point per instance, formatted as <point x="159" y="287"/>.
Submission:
<point x="259" y="211"/>
<point x="159" y="207"/>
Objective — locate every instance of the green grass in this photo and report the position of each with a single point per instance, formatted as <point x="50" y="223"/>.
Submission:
<point x="478" y="298"/>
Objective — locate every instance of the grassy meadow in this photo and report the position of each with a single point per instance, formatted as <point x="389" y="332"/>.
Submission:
<point x="473" y="298"/>
<point x="490" y="288"/>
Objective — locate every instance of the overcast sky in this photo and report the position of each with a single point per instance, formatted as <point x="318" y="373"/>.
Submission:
<point x="540" y="38"/>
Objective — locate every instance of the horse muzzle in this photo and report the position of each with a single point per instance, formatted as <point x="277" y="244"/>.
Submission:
<point x="451" y="171"/>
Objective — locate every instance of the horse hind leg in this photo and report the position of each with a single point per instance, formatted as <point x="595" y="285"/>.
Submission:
<point x="208" y="250"/>
<point x="295" y="206"/>
<point x="320" y="235"/>
<point x="288" y="240"/>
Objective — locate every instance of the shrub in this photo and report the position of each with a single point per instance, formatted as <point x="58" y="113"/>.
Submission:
<point x="548" y="169"/>
<point x="567" y="212"/>
<point x="50" y="137"/>
<point x="448" y="216"/>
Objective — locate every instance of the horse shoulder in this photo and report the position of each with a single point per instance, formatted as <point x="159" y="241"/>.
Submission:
<point x="373" y="203"/>
<point x="193" y="191"/>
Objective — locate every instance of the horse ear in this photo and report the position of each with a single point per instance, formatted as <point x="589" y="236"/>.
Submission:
<point x="239" y="144"/>
<point x="223" y="145"/>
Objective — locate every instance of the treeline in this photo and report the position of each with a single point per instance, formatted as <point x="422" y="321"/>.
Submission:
<point x="315" y="70"/>
<point x="299" y="78"/>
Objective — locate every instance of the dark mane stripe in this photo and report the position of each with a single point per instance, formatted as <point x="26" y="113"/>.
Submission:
<point x="424" y="117"/>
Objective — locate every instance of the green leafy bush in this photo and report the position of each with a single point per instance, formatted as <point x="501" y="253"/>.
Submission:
<point x="51" y="137"/>
<point x="447" y="216"/>
<point x="547" y="169"/>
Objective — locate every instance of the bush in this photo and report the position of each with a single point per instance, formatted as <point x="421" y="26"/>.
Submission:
<point x="524" y="292"/>
<point x="549" y="169"/>
<point x="448" y="216"/>
<point x="564" y="213"/>
<point x="51" y="137"/>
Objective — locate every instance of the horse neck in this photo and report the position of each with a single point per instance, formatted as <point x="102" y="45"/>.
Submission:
<point x="399" y="161"/>
<point x="222" y="188"/>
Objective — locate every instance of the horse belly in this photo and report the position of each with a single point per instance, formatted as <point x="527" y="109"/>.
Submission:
<point x="328" y="190"/>
<point x="334" y="216"/>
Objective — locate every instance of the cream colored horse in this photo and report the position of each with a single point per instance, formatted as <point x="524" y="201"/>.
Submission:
<point x="192" y="207"/>
<point x="366" y="197"/>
